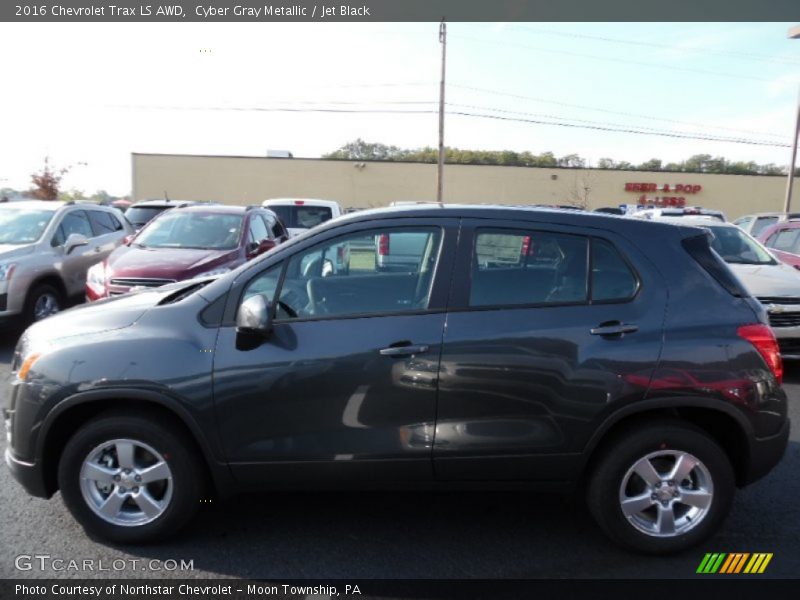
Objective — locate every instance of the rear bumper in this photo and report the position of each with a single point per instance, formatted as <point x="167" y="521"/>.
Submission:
<point x="766" y="453"/>
<point x="29" y="475"/>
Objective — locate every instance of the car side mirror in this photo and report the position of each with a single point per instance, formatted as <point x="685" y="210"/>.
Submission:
<point x="73" y="241"/>
<point x="256" y="249"/>
<point x="255" y="316"/>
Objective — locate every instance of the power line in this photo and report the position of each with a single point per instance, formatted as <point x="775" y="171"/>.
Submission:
<point x="731" y="53"/>
<point x="614" y="59"/>
<point x="676" y="134"/>
<point x="596" y="126"/>
<point x="591" y="122"/>
<point x="612" y="112"/>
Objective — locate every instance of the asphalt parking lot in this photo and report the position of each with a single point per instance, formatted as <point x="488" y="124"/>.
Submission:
<point x="352" y="535"/>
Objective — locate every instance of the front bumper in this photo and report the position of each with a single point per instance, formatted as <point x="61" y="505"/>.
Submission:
<point x="29" y="475"/>
<point x="766" y="453"/>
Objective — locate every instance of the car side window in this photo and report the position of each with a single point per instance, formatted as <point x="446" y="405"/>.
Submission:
<point x="75" y="221"/>
<point x="103" y="223"/>
<point x="279" y="229"/>
<point x="258" y="231"/>
<point x="612" y="278"/>
<point x="785" y="239"/>
<point x="265" y="283"/>
<point x="365" y="273"/>
<point x="761" y="224"/>
<point x="528" y="267"/>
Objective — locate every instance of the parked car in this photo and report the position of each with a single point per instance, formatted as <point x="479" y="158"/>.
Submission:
<point x="195" y="241"/>
<point x="300" y="215"/>
<point x="782" y="240"/>
<point x="528" y="338"/>
<point x="775" y="284"/>
<point x="611" y="210"/>
<point x="673" y="213"/>
<point x="46" y="248"/>
<point x="141" y="213"/>
<point x="756" y="223"/>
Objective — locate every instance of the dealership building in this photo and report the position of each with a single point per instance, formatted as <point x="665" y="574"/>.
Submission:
<point x="362" y="184"/>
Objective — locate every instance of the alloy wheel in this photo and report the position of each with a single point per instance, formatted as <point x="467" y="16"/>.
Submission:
<point x="46" y="305"/>
<point x="126" y="482"/>
<point x="666" y="493"/>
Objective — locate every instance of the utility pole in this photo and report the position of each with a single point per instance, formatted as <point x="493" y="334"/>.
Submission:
<point x="790" y="180"/>
<point x="440" y="169"/>
<point x="794" y="34"/>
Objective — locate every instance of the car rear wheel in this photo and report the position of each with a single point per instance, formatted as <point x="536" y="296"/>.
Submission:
<point x="128" y="479"/>
<point x="43" y="301"/>
<point x="661" y="488"/>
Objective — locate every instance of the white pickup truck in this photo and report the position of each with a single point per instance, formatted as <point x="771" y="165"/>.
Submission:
<point x="300" y="214"/>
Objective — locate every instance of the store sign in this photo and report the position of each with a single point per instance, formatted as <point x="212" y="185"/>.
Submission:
<point x="666" y="188"/>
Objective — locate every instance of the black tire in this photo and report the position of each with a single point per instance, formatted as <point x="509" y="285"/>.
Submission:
<point x="41" y="290"/>
<point x="188" y="477"/>
<point x="617" y="458"/>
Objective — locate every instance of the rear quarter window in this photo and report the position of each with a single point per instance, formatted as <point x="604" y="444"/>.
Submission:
<point x="699" y="248"/>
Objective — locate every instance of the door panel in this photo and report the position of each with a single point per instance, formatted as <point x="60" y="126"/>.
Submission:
<point x="522" y="388"/>
<point x="322" y="391"/>
<point x="345" y="386"/>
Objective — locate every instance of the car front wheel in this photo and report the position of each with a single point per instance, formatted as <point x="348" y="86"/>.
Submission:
<point x="43" y="301"/>
<point x="661" y="488"/>
<point x="128" y="479"/>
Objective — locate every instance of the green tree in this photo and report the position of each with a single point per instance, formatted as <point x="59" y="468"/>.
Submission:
<point x="654" y="164"/>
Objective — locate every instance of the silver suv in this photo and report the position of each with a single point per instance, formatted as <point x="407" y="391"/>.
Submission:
<point x="46" y="249"/>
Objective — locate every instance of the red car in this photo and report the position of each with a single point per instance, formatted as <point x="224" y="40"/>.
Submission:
<point x="184" y="243"/>
<point x="783" y="240"/>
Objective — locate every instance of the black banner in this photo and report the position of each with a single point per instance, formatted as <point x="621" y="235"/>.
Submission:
<point x="400" y="10"/>
<point x="199" y="589"/>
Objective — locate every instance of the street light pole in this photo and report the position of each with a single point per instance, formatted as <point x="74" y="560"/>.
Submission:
<point x="794" y="33"/>
<point x="440" y="168"/>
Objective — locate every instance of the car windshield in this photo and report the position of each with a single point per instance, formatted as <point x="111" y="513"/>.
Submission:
<point x="22" y="226"/>
<point x="139" y="215"/>
<point x="178" y="229"/>
<point x="736" y="247"/>
<point x="302" y="216"/>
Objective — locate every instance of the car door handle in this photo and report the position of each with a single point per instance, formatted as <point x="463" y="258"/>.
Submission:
<point x="405" y="350"/>
<point x="613" y="328"/>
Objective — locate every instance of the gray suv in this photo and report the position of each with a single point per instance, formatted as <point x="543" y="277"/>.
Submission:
<point x="46" y="249"/>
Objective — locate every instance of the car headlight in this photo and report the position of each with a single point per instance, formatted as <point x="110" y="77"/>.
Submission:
<point x="96" y="275"/>
<point x="6" y="269"/>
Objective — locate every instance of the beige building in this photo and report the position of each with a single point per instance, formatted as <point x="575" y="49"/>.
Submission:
<point x="249" y="180"/>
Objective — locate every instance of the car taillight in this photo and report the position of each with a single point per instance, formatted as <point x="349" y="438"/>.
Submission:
<point x="526" y="244"/>
<point x="383" y="244"/>
<point x="764" y="341"/>
<point x="299" y="202"/>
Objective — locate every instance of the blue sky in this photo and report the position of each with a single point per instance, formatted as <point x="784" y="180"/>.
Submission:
<point x="174" y="87"/>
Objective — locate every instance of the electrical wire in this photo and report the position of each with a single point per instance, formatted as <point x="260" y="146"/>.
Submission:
<point x="612" y="59"/>
<point x="611" y="112"/>
<point x="729" y="53"/>
<point x="596" y="126"/>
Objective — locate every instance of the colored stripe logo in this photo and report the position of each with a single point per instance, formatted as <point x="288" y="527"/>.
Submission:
<point x="734" y="563"/>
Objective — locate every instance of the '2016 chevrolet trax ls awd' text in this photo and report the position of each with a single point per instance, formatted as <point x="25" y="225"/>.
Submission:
<point x="552" y="349"/>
